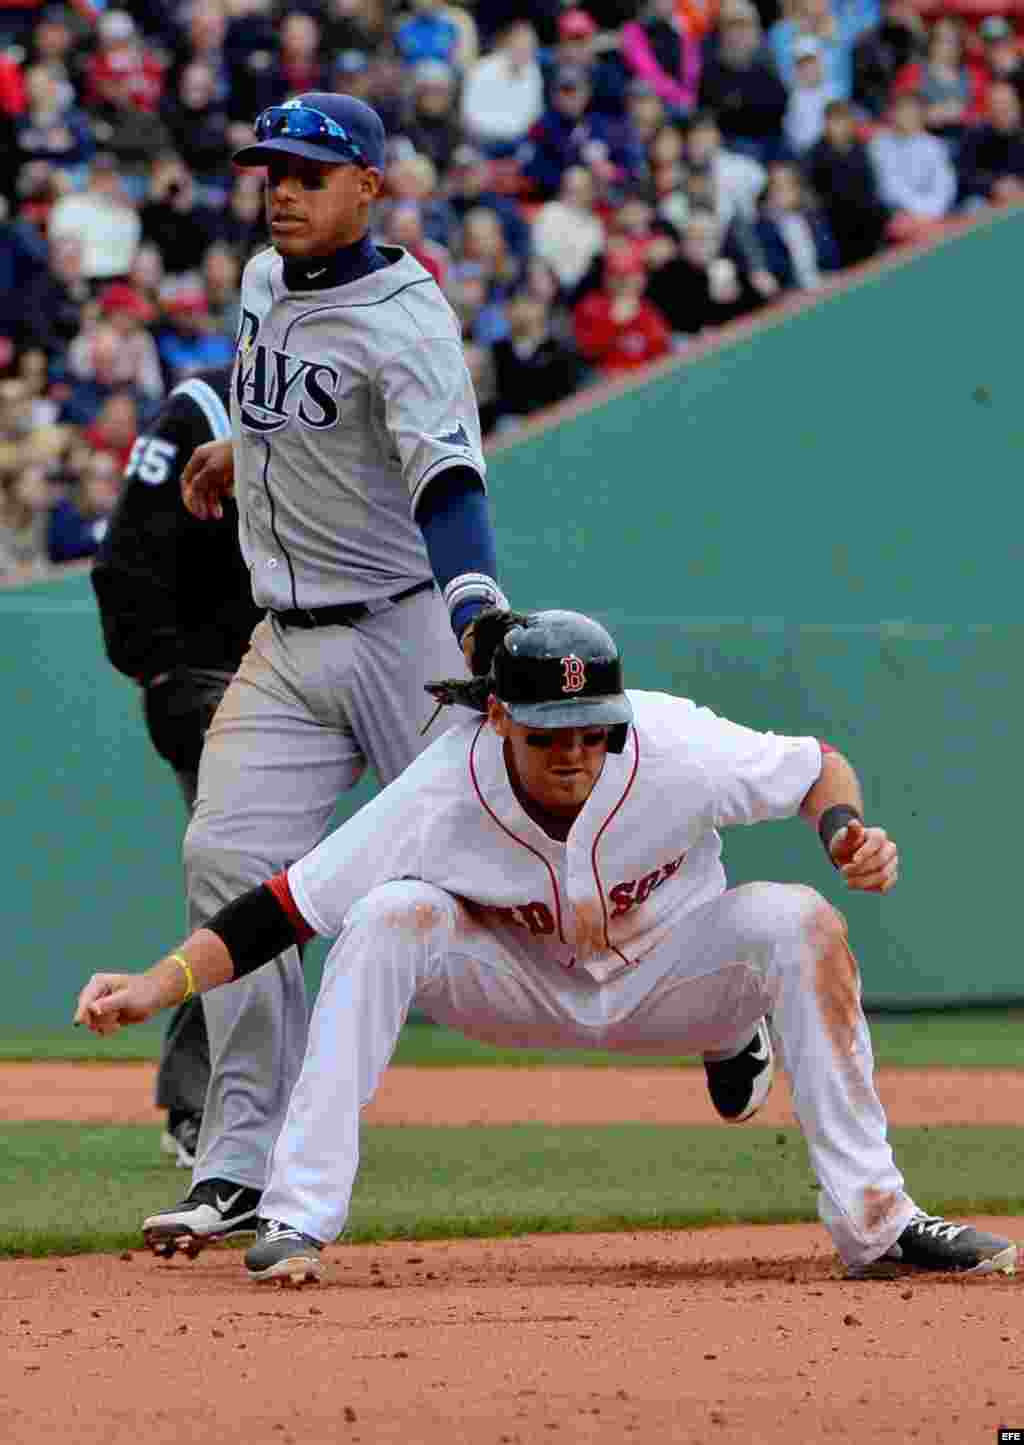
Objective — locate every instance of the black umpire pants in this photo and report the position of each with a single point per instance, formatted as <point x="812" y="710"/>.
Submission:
<point x="184" y="1070"/>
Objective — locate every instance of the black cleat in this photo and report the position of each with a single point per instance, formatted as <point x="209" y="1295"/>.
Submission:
<point x="739" y="1086"/>
<point x="932" y="1243"/>
<point x="283" y="1253"/>
<point x="215" y="1209"/>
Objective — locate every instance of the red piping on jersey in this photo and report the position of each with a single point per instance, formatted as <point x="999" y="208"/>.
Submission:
<point x="515" y="837"/>
<point x="600" y="832"/>
<point x="278" y="886"/>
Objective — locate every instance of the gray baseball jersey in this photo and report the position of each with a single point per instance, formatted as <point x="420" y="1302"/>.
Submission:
<point x="345" y="403"/>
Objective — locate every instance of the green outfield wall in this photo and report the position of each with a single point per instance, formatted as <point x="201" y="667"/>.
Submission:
<point x="815" y="529"/>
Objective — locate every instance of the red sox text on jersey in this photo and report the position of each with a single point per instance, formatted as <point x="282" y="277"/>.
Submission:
<point x="538" y="918"/>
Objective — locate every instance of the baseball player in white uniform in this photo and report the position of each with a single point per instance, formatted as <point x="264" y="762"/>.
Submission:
<point x="549" y="875"/>
<point x="357" y="468"/>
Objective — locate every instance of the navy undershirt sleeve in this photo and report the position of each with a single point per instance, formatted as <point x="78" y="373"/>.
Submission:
<point x="456" y="526"/>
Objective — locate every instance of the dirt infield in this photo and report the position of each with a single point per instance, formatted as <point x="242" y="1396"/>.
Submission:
<point x="708" y="1337"/>
<point x="122" y="1094"/>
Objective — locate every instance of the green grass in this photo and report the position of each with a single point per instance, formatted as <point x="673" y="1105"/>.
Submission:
<point x="954" y="1038"/>
<point x="75" y="1189"/>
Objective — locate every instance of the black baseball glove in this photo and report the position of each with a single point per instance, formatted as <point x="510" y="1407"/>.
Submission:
<point x="486" y="630"/>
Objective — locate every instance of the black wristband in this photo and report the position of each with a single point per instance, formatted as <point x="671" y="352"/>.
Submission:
<point x="830" y="823"/>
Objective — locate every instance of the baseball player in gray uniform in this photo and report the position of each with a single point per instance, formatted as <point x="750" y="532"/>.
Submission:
<point x="357" y="468"/>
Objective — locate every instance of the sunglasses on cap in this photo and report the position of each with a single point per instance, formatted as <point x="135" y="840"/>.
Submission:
<point x="302" y="122"/>
<point x="592" y="738"/>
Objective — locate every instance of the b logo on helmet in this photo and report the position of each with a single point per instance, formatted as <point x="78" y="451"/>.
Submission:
<point x="574" y="674"/>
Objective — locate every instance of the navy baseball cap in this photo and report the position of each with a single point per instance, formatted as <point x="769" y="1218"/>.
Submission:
<point x="336" y="129"/>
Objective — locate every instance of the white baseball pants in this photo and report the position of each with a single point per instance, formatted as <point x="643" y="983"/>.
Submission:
<point x="760" y="948"/>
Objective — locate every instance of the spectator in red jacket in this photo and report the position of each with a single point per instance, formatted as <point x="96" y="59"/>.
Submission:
<point x="114" y="431"/>
<point x="616" y="328"/>
<point x="121" y="63"/>
<point x="13" y="98"/>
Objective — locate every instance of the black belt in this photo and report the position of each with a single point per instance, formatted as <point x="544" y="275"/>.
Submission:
<point x="343" y="615"/>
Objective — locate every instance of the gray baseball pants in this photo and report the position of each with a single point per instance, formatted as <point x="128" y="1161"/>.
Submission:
<point x="306" y="713"/>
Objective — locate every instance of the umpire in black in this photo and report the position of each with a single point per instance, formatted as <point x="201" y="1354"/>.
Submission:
<point x="176" y="607"/>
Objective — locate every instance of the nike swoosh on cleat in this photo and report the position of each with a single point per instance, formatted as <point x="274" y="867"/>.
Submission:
<point x="225" y="1204"/>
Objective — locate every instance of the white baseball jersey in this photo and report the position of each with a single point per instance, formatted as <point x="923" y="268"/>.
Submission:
<point x="644" y="850"/>
<point x="345" y="403"/>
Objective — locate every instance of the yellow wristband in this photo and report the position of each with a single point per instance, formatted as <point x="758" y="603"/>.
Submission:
<point x="190" y="983"/>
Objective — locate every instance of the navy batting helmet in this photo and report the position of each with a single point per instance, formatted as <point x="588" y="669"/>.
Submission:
<point x="562" y="670"/>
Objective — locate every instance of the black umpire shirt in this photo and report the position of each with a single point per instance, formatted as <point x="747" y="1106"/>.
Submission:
<point x="173" y="590"/>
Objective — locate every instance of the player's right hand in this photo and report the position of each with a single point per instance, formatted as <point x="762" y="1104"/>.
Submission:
<point x="866" y="856"/>
<point x="112" y="999"/>
<point x="208" y="478"/>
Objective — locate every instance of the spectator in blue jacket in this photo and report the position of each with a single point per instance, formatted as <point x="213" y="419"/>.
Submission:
<point x="428" y="35"/>
<point x="51" y="130"/>
<point x="992" y="159"/>
<point x="837" y="25"/>
<point x="741" y="87"/>
<point x="189" y="343"/>
<point x="469" y="188"/>
<point x="568" y="135"/>
<point x="579" y="46"/>
<point x="79" y="523"/>
<point x="23" y="256"/>
<point x="840" y="171"/>
<point x="798" y="247"/>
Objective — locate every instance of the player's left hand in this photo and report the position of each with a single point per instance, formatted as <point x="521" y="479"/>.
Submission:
<point x="112" y="999"/>
<point x="867" y="858"/>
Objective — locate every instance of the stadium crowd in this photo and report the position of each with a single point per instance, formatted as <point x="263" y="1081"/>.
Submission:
<point x="591" y="186"/>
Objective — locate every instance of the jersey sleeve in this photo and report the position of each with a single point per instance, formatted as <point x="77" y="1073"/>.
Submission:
<point x="135" y="577"/>
<point x="378" y="844"/>
<point x="430" y="412"/>
<point x="755" y="776"/>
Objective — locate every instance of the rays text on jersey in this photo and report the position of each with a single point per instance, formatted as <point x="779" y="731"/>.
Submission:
<point x="274" y="386"/>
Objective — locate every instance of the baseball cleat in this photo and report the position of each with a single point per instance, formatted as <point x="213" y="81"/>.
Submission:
<point x="739" y="1086"/>
<point x="180" y="1138"/>
<point x="930" y="1242"/>
<point x="215" y="1209"/>
<point x="284" y="1254"/>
